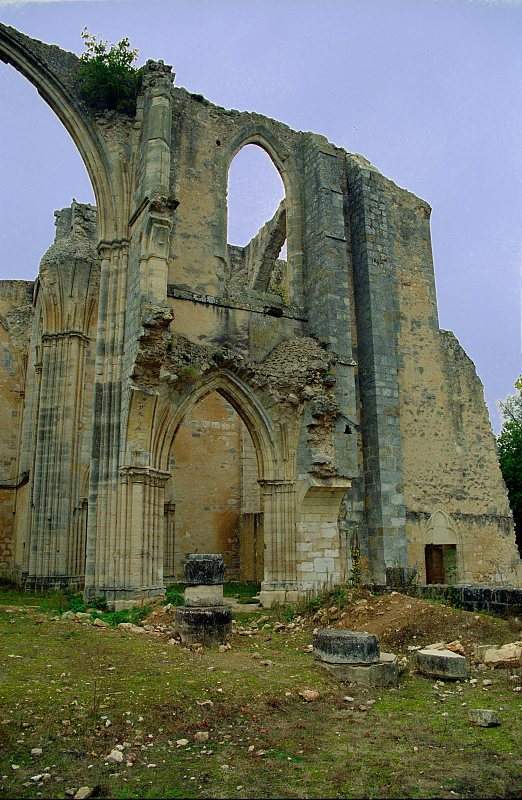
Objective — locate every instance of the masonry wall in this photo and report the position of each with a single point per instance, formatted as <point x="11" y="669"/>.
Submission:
<point x="15" y="321"/>
<point x="453" y="487"/>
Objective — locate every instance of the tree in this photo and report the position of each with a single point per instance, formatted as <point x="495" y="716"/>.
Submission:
<point x="510" y="454"/>
<point x="107" y="76"/>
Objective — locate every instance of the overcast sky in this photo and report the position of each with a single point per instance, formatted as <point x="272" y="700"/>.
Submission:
<point x="428" y="90"/>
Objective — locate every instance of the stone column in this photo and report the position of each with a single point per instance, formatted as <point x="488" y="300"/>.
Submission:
<point x="169" y="548"/>
<point x="131" y="566"/>
<point x="279" y="584"/>
<point x="56" y="467"/>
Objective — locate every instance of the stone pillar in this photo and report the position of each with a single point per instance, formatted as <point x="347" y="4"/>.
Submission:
<point x="169" y="546"/>
<point x="130" y="565"/>
<point x="279" y="584"/>
<point x="56" y="469"/>
<point x="107" y="417"/>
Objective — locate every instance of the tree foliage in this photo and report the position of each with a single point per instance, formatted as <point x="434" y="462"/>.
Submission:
<point x="510" y="454"/>
<point x="108" y="77"/>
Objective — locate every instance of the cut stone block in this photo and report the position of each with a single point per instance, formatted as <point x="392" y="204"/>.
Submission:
<point x="484" y="717"/>
<point x="346" y="647"/>
<point x="509" y="655"/>
<point x="204" y="595"/>
<point x="206" y="625"/>
<point x="381" y="675"/>
<point x="204" y="569"/>
<point x="442" y="664"/>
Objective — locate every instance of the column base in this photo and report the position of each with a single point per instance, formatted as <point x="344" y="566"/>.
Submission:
<point x="122" y="599"/>
<point x="272" y="594"/>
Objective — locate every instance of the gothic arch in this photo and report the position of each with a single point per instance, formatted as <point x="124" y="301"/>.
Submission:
<point x="32" y="59"/>
<point x="283" y="161"/>
<point x="244" y="402"/>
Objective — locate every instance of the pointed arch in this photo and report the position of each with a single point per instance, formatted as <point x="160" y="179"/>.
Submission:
<point x="242" y="400"/>
<point x="32" y="59"/>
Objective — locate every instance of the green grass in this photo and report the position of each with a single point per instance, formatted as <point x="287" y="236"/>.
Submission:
<point x="60" y="681"/>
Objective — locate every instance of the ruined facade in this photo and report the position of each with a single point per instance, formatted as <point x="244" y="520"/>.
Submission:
<point x="164" y="392"/>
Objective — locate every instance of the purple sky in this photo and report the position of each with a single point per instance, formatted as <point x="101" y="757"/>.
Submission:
<point x="428" y="90"/>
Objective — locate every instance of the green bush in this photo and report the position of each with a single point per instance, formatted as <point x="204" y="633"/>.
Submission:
<point x="174" y="595"/>
<point x="107" y="76"/>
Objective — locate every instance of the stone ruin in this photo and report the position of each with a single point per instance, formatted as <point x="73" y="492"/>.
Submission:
<point x="164" y="392"/>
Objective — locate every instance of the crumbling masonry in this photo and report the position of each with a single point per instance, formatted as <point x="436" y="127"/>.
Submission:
<point x="164" y="392"/>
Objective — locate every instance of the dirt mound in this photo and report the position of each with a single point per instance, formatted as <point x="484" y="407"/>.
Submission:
<point x="401" y="621"/>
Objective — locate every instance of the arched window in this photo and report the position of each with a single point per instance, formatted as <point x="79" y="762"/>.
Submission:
<point x="257" y="223"/>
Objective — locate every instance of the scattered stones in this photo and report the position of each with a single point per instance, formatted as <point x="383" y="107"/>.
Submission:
<point x="131" y="628"/>
<point x="483" y="717"/>
<point x="310" y="695"/>
<point x="442" y="664"/>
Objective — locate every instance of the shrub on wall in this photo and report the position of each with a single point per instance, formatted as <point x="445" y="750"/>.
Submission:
<point x="108" y="77"/>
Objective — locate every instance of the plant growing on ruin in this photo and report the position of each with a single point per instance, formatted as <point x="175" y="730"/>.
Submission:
<point x="108" y="77"/>
<point x="510" y="454"/>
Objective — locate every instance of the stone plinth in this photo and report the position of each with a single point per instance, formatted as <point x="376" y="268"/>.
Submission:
<point x="205" y="625"/>
<point x="204" y="596"/>
<point x="442" y="664"/>
<point x="382" y="674"/>
<point x="346" y="647"/>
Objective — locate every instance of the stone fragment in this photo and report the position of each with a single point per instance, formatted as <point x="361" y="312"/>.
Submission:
<point x="509" y="655"/>
<point x="115" y="755"/>
<point x="310" y="695"/>
<point x="100" y="623"/>
<point x="83" y="793"/>
<point x="182" y="742"/>
<point x="201" y="736"/>
<point x="484" y="717"/>
<point x="36" y="751"/>
<point x="131" y="628"/>
<point x="456" y="647"/>
<point x="442" y="664"/>
<point x="346" y="647"/>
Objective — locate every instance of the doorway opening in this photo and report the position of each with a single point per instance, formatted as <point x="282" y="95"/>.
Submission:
<point x="441" y="563"/>
<point x="213" y="500"/>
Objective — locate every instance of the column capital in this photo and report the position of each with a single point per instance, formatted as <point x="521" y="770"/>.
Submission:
<point x="150" y="475"/>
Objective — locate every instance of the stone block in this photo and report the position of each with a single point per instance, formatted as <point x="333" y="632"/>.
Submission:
<point x="383" y="674"/>
<point x="206" y="625"/>
<point x="442" y="664"/>
<point x="346" y="647"/>
<point x="204" y="569"/>
<point x="204" y="595"/>
<point x="484" y="717"/>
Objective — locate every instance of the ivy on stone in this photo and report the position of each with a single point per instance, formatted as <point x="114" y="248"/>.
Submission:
<point x="108" y="77"/>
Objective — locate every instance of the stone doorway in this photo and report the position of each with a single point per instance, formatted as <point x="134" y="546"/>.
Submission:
<point x="212" y="500"/>
<point x="441" y="563"/>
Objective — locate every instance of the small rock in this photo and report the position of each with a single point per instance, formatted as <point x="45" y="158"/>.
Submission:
<point x="201" y="736"/>
<point x="267" y="663"/>
<point x="83" y="793"/>
<point x="36" y="751"/>
<point x="310" y="695"/>
<point x="182" y="742"/>
<point x="487" y="682"/>
<point x="115" y="755"/>
<point x="348" y="699"/>
<point x="100" y="623"/>
<point x="483" y="717"/>
<point x="456" y="647"/>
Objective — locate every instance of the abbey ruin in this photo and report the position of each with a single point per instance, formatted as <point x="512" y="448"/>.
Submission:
<point x="163" y="392"/>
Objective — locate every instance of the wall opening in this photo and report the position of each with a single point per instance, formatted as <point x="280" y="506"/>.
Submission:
<point x="441" y="563"/>
<point x="213" y="501"/>
<point x="256" y="224"/>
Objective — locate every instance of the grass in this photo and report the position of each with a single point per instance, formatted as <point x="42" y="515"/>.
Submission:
<point x="77" y="692"/>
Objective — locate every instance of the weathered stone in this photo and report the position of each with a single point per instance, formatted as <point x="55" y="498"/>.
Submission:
<point x="83" y="793"/>
<point x="509" y="655"/>
<point x="204" y="595"/>
<point x="204" y="569"/>
<point x="484" y="717"/>
<point x="442" y="664"/>
<point x="379" y="675"/>
<point x="346" y="647"/>
<point x="206" y="625"/>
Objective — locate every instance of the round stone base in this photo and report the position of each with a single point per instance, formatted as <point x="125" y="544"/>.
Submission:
<point x="205" y="625"/>
<point x="346" y="647"/>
